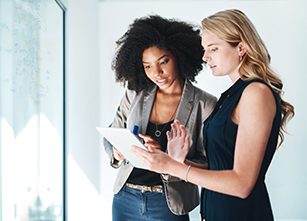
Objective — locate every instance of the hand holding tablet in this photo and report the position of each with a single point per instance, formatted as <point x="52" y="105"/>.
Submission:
<point x="122" y="139"/>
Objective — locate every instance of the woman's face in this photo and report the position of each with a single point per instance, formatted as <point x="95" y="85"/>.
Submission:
<point x="161" y="67"/>
<point x="222" y="58"/>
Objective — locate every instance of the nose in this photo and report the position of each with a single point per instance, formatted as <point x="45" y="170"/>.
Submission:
<point x="206" y="58"/>
<point x="158" y="70"/>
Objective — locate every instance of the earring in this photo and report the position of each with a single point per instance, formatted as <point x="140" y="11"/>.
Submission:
<point x="241" y="58"/>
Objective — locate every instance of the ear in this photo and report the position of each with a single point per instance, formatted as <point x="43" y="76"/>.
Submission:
<point x="241" y="49"/>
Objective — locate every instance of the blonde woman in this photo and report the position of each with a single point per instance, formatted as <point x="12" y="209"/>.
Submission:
<point x="241" y="134"/>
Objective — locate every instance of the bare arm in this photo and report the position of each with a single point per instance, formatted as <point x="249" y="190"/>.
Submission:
<point x="256" y="111"/>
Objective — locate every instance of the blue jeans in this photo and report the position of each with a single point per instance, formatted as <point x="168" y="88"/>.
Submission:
<point x="132" y="205"/>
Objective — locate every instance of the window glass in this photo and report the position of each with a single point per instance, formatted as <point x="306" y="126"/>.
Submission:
<point x="31" y="110"/>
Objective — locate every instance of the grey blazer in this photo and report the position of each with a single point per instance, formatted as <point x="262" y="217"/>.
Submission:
<point x="194" y="107"/>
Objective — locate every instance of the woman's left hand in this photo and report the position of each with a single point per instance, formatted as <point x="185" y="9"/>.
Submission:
<point x="155" y="159"/>
<point x="178" y="145"/>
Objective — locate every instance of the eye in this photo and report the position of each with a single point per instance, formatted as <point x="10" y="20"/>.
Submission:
<point x="214" y="49"/>
<point x="147" y="66"/>
<point x="164" y="62"/>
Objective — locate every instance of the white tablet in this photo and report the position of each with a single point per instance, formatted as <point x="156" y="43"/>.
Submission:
<point x="122" y="139"/>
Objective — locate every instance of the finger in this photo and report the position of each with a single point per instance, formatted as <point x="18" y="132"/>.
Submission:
<point x="178" y="127"/>
<point x="176" y="120"/>
<point x="118" y="154"/>
<point x="154" y="142"/>
<point x="146" y="137"/>
<point x="116" y="151"/>
<point x="149" y="144"/>
<point x="137" y="151"/>
<point x="156" y="146"/>
<point x="168" y="135"/>
<point x="183" y="130"/>
<point x="174" y="129"/>
<point x="187" y="142"/>
<point x="143" y="159"/>
<point x="119" y="158"/>
<point x="151" y="149"/>
<point x="146" y="144"/>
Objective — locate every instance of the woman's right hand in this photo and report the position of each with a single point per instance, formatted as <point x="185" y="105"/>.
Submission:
<point x="149" y="141"/>
<point x="178" y="145"/>
<point x="117" y="155"/>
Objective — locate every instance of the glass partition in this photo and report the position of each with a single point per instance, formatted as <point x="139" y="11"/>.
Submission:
<point x="31" y="110"/>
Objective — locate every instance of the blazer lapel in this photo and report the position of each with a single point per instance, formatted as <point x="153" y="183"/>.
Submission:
<point x="149" y="98"/>
<point x="186" y="104"/>
<point x="184" y="109"/>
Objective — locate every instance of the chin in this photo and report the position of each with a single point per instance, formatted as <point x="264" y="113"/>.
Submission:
<point x="218" y="74"/>
<point x="215" y="74"/>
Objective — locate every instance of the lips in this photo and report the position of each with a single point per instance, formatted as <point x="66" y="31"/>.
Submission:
<point x="161" y="81"/>
<point x="212" y="66"/>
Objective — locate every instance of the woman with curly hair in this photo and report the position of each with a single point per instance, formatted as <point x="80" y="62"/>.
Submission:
<point x="158" y="58"/>
<point x="241" y="134"/>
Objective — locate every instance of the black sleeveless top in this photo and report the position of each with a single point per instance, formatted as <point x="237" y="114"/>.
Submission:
<point x="219" y="141"/>
<point x="146" y="177"/>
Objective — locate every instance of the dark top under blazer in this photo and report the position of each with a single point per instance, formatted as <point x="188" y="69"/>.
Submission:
<point x="194" y="107"/>
<point x="219" y="140"/>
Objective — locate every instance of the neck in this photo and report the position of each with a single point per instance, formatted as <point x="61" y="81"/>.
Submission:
<point x="234" y="77"/>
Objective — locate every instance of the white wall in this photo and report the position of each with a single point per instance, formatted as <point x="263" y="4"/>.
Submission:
<point x="282" y="25"/>
<point x="82" y="90"/>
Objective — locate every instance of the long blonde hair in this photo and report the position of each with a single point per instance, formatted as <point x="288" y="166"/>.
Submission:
<point x="233" y="26"/>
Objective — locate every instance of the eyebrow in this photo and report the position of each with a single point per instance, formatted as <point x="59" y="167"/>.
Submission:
<point x="158" y="58"/>
<point x="211" y="44"/>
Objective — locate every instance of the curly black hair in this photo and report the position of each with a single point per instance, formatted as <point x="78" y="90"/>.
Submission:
<point x="181" y="38"/>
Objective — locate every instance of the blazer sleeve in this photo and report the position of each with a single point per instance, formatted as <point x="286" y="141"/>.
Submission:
<point x="120" y="121"/>
<point x="206" y="106"/>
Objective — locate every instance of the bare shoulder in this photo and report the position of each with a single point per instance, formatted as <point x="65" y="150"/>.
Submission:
<point x="258" y="91"/>
<point x="258" y="96"/>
